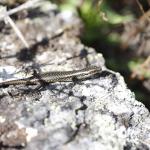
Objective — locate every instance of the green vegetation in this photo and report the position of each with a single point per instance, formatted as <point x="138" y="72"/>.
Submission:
<point x="103" y="24"/>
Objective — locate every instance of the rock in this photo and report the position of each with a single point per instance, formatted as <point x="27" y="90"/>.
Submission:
<point x="100" y="113"/>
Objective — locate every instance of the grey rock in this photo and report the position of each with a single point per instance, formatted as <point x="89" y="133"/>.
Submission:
<point x="101" y="113"/>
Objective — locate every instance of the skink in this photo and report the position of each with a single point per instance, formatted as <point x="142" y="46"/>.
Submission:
<point x="56" y="76"/>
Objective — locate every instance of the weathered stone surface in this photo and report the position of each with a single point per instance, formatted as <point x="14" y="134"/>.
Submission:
<point x="100" y="113"/>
